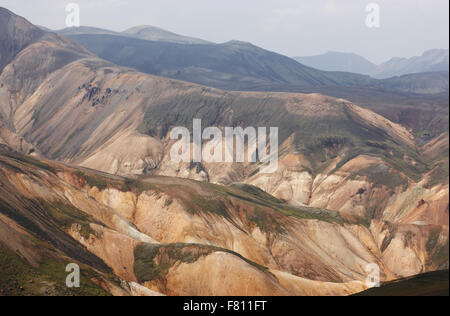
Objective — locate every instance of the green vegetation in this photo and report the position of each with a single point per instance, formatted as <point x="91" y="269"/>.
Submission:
<point x="382" y="176"/>
<point x="388" y="238"/>
<point x="265" y="221"/>
<point x="22" y="159"/>
<point x="197" y="203"/>
<point x="438" y="175"/>
<point x="392" y="154"/>
<point x="22" y="219"/>
<point x="94" y="180"/>
<point x="105" y="181"/>
<point x="65" y="215"/>
<point x="264" y="199"/>
<point x="320" y="138"/>
<point x="47" y="221"/>
<point x="145" y="267"/>
<point x="257" y="192"/>
<point x="19" y="278"/>
<point x="311" y="213"/>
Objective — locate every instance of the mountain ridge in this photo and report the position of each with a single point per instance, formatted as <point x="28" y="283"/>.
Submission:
<point x="352" y="187"/>
<point x="338" y="61"/>
<point x="434" y="60"/>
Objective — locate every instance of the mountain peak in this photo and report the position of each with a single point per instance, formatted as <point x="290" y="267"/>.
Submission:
<point x="433" y="60"/>
<point x="338" y="61"/>
<point x="139" y="28"/>
<point x="237" y="42"/>
<point x="153" y="33"/>
<point x="86" y="30"/>
<point x="15" y="34"/>
<point x="240" y="44"/>
<point x="10" y="22"/>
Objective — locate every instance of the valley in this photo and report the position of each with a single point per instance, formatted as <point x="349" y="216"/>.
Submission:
<point x="86" y="175"/>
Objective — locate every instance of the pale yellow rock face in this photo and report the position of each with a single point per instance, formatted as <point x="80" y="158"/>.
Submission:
<point x="402" y="260"/>
<point x="304" y="287"/>
<point x="291" y="186"/>
<point x="312" y="249"/>
<point x="127" y="154"/>
<point x="168" y="222"/>
<point x="123" y="202"/>
<point x="16" y="142"/>
<point x="224" y="275"/>
<point x="113" y="248"/>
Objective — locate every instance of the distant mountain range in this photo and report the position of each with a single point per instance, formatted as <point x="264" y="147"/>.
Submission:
<point x="430" y="61"/>
<point x="337" y="61"/>
<point x="233" y="65"/>
<point x="352" y="186"/>
<point x="435" y="60"/>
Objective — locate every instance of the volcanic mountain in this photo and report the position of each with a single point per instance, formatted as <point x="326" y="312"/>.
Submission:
<point x="352" y="187"/>
<point x="245" y="67"/>
<point x="234" y="65"/>
<point x="435" y="60"/>
<point x="337" y="61"/>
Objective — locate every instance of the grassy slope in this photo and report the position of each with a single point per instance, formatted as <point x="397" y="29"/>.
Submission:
<point x="260" y="209"/>
<point x="19" y="278"/>
<point x="46" y="222"/>
<point x="320" y="138"/>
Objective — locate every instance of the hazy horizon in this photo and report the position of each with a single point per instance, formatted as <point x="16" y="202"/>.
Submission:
<point x="407" y="28"/>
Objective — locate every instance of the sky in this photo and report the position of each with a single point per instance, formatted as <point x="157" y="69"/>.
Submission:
<point x="291" y="27"/>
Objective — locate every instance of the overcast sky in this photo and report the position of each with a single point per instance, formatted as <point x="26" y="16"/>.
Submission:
<point x="290" y="27"/>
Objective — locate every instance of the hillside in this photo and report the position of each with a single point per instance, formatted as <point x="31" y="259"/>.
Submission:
<point x="352" y="187"/>
<point x="156" y="34"/>
<point x="232" y="66"/>
<point x="337" y="61"/>
<point x="77" y="114"/>
<point x="144" y="32"/>
<point x="59" y="214"/>
<point x="228" y="66"/>
<point x="16" y="30"/>
<point x="435" y="60"/>
<point x="426" y="115"/>
<point x="425" y="83"/>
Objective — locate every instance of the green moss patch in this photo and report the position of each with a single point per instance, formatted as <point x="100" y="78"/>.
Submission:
<point x="66" y="215"/>
<point x="104" y="181"/>
<point x="439" y="175"/>
<point x="382" y="176"/>
<point x="19" y="278"/>
<point x="27" y="160"/>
